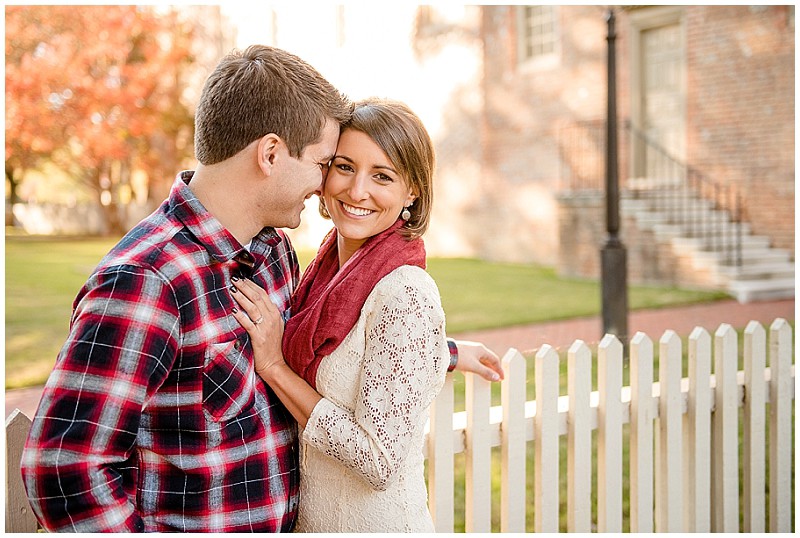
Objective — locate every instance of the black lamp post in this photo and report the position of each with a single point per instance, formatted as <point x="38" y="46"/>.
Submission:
<point x="614" y="266"/>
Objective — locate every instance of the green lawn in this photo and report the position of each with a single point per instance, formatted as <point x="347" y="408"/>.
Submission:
<point x="43" y="275"/>
<point x="481" y="295"/>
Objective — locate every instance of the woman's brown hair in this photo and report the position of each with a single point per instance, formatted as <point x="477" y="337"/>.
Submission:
<point x="394" y="127"/>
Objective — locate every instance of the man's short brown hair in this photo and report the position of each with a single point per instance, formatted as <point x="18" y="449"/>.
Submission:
<point x="263" y="90"/>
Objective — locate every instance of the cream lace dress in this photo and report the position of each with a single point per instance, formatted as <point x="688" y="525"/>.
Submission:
<point x="361" y="461"/>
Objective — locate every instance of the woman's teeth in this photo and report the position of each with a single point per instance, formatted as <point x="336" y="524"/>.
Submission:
<point x="356" y="210"/>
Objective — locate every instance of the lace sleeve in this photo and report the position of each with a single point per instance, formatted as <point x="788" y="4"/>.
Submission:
<point x="405" y="362"/>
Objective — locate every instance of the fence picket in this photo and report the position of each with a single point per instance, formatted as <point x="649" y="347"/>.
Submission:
<point x="513" y="444"/>
<point x="697" y="460"/>
<point x="19" y="515"/>
<point x="579" y="438"/>
<point x="725" y="439"/>
<point x="609" y="435"/>
<point x="669" y="513"/>
<point x="545" y="441"/>
<point x="755" y="361"/>
<point x="781" y="390"/>
<point x="440" y="459"/>
<point x="478" y="510"/>
<point x="641" y="433"/>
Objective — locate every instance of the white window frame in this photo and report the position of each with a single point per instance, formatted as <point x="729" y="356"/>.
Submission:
<point x="525" y="39"/>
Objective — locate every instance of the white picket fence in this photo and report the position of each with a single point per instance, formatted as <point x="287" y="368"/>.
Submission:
<point x="695" y="488"/>
<point x="683" y="437"/>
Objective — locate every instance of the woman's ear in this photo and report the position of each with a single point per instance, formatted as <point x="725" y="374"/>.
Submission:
<point x="268" y="148"/>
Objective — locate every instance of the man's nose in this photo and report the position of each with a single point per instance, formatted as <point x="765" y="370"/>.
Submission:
<point x="323" y="176"/>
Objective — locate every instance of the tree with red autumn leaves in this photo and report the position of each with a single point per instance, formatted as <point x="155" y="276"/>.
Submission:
<point x="96" y="90"/>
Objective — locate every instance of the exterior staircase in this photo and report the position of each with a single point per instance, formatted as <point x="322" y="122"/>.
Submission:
<point x="710" y="242"/>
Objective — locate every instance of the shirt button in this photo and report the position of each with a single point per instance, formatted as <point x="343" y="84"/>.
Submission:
<point x="237" y="345"/>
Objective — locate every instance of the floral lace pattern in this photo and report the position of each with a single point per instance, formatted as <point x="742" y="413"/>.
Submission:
<point x="361" y="451"/>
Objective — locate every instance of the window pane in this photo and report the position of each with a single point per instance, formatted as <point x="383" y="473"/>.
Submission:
<point x="538" y="31"/>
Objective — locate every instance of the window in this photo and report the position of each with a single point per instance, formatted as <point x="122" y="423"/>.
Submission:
<point x="538" y="34"/>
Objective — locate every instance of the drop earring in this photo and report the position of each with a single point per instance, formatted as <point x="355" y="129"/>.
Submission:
<point x="406" y="214"/>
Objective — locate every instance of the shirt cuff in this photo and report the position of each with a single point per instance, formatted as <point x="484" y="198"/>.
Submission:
<point x="451" y="345"/>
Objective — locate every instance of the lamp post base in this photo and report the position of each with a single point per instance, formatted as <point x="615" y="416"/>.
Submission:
<point x="614" y="276"/>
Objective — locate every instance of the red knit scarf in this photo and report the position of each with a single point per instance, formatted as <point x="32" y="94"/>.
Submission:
<point x="328" y="301"/>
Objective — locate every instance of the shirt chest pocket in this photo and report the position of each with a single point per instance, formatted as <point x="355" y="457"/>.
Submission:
<point x="228" y="381"/>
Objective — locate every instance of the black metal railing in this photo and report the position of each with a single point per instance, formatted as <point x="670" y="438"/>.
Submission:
<point x="708" y="211"/>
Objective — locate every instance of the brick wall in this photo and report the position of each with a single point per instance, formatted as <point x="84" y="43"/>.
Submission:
<point x="525" y="105"/>
<point x="740" y="108"/>
<point x="740" y="126"/>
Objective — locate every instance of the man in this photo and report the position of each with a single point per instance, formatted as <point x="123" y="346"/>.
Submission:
<point x="153" y="418"/>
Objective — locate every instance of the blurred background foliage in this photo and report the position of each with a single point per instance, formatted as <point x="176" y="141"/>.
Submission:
<point x="93" y="98"/>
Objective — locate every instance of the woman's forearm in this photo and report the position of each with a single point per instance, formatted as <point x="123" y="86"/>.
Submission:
<point x="297" y="396"/>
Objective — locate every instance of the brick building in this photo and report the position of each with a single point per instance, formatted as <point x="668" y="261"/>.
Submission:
<point x="711" y="86"/>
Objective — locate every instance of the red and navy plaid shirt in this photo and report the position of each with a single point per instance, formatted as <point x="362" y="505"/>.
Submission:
<point x="153" y="418"/>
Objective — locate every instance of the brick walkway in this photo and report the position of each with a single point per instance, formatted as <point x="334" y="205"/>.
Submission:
<point x="682" y="320"/>
<point x="561" y="334"/>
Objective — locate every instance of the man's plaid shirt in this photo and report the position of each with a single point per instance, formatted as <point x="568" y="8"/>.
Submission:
<point x="153" y="418"/>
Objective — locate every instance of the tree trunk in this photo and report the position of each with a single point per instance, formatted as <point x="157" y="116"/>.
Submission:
<point x="12" y="198"/>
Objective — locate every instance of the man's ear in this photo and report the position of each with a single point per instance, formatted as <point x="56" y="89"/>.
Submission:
<point x="268" y="152"/>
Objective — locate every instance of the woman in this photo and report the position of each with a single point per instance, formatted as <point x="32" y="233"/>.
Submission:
<point x="364" y="353"/>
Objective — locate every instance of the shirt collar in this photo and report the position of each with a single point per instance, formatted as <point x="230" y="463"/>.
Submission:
<point x="208" y="231"/>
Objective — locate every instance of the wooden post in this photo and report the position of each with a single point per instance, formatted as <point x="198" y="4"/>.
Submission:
<point x="478" y="510"/>
<point x="725" y="470"/>
<point x="579" y="439"/>
<point x="609" y="435"/>
<point x="512" y="444"/>
<point x="641" y="433"/>
<point x="545" y="441"/>
<point x="19" y="515"/>
<point x="440" y="459"/>
<point x="781" y="387"/>
<point x="669" y="512"/>
<point x="697" y="460"/>
<point x="753" y="457"/>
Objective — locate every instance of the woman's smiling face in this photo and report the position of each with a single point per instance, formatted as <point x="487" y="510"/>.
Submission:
<point x="364" y="193"/>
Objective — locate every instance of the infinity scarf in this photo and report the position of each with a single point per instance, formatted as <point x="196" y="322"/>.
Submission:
<point x="328" y="301"/>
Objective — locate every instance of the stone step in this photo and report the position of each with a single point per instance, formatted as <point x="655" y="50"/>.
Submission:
<point x="771" y="273"/>
<point x="644" y="204"/>
<point x="696" y="231"/>
<point x="727" y="277"/>
<point x="747" y="291"/>
<point x="755" y="257"/>
<point x="708" y="222"/>
<point x="757" y="271"/>
<point x="698" y="243"/>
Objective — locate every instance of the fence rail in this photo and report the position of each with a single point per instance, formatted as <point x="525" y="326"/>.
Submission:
<point x="670" y="489"/>
<point x="674" y="426"/>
